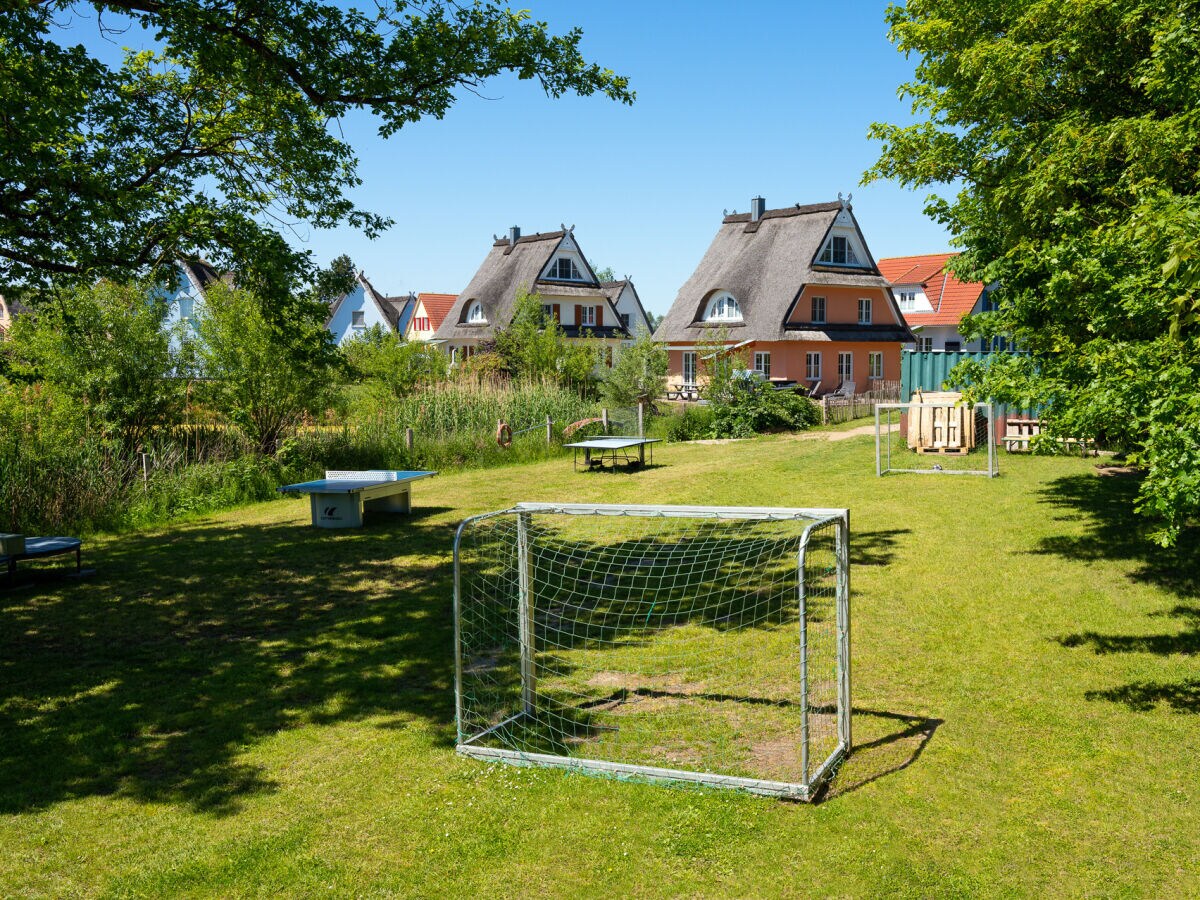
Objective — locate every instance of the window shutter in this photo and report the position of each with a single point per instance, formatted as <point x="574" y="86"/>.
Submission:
<point x="556" y="312"/>
<point x="578" y="316"/>
<point x="600" y="316"/>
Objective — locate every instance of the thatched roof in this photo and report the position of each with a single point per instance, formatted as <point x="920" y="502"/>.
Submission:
<point x="506" y="270"/>
<point x="765" y="265"/>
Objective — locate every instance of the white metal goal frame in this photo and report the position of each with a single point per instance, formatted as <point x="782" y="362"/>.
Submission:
<point x="939" y="464"/>
<point x="548" y="616"/>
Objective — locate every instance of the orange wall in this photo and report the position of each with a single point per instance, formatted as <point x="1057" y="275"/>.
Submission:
<point x="788" y="359"/>
<point x="841" y="305"/>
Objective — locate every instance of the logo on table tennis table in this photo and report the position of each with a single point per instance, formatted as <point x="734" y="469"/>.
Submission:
<point x="330" y="512"/>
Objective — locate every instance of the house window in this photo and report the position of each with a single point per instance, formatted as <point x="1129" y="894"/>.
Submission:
<point x="864" y="310"/>
<point x="564" y="269"/>
<point x="953" y="346"/>
<point x="625" y="321"/>
<point x="875" y="364"/>
<point x="587" y="316"/>
<point x="818" y="309"/>
<point x="924" y="344"/>
<point x="421" y="323"/>
<point x="908" y="300"/>
<point x="723" y="308"/>
<point x="475" y="313"/>
<point x="812" y="366"/>
<point x="762" y="364"/>
<point x="846" y="366"/>
<point x="689" y="368"/>
<point x="187" y="308"/>
<point x="839" y="251"/>
<point x="358" y="319"/>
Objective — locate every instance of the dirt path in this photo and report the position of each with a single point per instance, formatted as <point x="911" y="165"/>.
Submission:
<point x="840" y="435"/>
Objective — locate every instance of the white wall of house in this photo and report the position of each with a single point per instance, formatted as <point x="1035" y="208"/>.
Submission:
<point x="185" y="301"/>
<point x="419" y="316"/>
<point x="356" y="313"/>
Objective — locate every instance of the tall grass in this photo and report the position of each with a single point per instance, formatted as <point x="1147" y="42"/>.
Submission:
<point x="454" y="426"/>
<point x="58" y="473"/>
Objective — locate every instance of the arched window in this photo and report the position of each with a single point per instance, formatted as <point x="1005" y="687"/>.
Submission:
<point x="475" y="312"/>
<point x="723" y="307"/>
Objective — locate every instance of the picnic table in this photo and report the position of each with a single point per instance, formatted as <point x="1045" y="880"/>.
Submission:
<point x="37" y="547"/>
<point x="615" y="449"/>
<point x="339" y="499"/>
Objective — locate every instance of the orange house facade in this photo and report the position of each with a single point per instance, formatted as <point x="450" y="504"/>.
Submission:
<point x="796" y="292"/>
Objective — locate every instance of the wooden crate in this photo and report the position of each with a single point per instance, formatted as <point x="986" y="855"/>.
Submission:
<point x="944" y="427"/>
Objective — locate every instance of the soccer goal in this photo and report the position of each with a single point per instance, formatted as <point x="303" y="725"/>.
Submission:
<point x="708" y="645"/>
<point x="941" y="438"/>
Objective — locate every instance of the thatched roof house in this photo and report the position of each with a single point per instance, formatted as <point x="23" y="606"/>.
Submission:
<point x="795" y="289"/>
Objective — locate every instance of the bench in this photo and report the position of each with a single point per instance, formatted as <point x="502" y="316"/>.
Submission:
<point x="683" y="392"/>
<point x="38" y="547"/>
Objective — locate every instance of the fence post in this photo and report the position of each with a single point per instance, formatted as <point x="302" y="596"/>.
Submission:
<point x="641" y="419"/>
<point x="549" y="432"/>
<point x="408" y="438"/>
<point x="604" y="418"/>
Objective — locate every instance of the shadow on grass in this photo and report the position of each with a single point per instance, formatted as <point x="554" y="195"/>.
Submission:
<point x="1112" y="532"/>
<point x="149" y="679"/>
<point x="881" y="755"/>
<point x="874" y="548"/>
<point x="1105" y="506"/>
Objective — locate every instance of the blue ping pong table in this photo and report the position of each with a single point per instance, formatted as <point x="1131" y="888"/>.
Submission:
<point x="338" y="499"/>
<point x="614" y="449"/>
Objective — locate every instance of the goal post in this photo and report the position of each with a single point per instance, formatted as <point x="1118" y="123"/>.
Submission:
<point x="948" y="438"/>
<point x="698" y="644"/>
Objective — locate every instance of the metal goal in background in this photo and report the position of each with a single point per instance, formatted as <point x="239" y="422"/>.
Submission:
<point x="950" y="438"/>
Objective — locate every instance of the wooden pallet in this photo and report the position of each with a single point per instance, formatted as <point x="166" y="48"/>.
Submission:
<point x="944" y="451"/>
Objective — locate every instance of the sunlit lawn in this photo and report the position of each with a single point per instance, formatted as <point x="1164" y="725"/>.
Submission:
<point x="245" y="705"/>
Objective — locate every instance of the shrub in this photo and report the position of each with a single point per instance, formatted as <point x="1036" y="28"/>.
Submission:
<point x="693" y="423"/>
<point x="754" y="407"/>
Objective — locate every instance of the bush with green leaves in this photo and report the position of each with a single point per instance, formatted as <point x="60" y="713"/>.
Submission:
<point x="388" y="368"/>
<point x="752" y="406"/>
<point x="639" y="374"/>
<point x="106" y="348"/>
<point x="692" y="423"/>
<point x="263" y="378"/>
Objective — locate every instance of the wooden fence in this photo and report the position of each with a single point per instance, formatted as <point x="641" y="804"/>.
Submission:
<point x="835" y="410"/>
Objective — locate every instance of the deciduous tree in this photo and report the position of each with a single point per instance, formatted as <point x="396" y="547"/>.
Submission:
<point x="1068" y="135"/>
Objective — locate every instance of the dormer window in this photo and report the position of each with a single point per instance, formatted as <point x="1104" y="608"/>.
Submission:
<point x="839" y="252"/>
<point x="475" y="313"/>
<point x="723" y="307"/>
<point x="564" y="269"/>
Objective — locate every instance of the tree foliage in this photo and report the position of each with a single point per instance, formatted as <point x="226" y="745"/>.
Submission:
<point x="106" y="348"/>
<point x="391" y="368"/>
<point x="222" y="135"/>
<point x="1071" y="134"/>
<point x="639" y="374"/>
<point x="263" y="378"/>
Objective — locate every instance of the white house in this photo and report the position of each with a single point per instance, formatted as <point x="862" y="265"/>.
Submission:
<point x="364" y="307"/>
<point x="933" y="302"/>
<point x="553" y="266"/>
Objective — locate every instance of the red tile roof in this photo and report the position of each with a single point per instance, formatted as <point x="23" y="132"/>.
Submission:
<point x="437" y="306"/>
<point x="950" y="298"/>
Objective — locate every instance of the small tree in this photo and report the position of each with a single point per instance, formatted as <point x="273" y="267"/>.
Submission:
<point x="105" y="346"/>
<point x="263" y="378"/>
<point x="390" y="367"/>
<point x="532" y="344"/>
<point x="639" y="375"/>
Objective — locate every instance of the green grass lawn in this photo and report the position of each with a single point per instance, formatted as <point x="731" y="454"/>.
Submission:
<point x="243" y="705"/>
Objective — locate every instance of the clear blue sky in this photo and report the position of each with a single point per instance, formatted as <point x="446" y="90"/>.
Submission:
<point x="733" y="100"/>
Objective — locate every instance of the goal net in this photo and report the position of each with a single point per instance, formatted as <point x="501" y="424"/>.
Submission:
<point x="941" y="438"/>
<point x="691" y="644"/>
